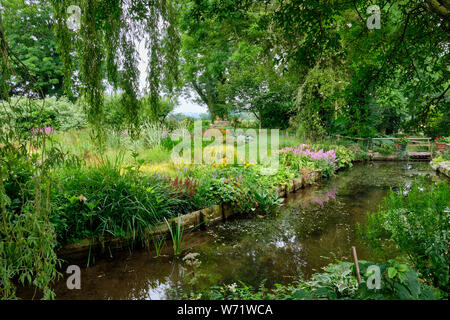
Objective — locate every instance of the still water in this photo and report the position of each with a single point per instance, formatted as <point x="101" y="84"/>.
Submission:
<point x="314" y="227"/>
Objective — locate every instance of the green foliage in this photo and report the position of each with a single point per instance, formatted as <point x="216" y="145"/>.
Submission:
<point x="318" y="160"/>
<point x="389" y="111"/>
<point x="158" y="243"/>
<point x="155" y="135"/>
<point x="244" y="187"/>
<point x="318" y="100"/>
<point x="385" y="149"/>
<point x="338" y="281"/>
<point x="417" y="223"/>
<point x="116" y="117"/>
<point x="438" y="123"/>
<point x="157" y="113"/>
<point x="17" y="183"/>
<point x="344" y="155"/>
<point x="298" y="162"/>
<point x="27" y="239"/>
<point x="398" y="282"/>
<point x="109" y="200"/>
<point x="275" y="110"/>
<point x="442" y="156"/>
<point x="58" y="113"/>
<point x="27" y="243"/>
<point x="28" y="28"/>
<point x="176" y="232"/>
<point x="350" y="79"/>
<point x="103" y="47"/>
<point x="205" y="52"/>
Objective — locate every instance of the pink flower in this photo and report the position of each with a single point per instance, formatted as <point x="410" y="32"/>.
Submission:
<point x="45" y="130"/>
<point x="314" y="154"/>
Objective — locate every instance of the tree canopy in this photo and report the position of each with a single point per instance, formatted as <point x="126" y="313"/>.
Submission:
<point x="28" y="29"/>
<point x="317" y="66"/>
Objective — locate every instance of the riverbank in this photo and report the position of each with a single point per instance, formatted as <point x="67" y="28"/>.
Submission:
<point x="441" y="167"/>
<point x="199" y="219"/>
<point x="315" y="226"/>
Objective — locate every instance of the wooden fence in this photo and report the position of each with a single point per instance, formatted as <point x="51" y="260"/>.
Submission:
<point x="416" y="141"/>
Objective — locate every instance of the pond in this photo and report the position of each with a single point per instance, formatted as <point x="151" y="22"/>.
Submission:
<point x="314" y="227"/>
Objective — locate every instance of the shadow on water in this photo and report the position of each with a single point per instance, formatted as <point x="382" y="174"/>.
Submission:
<point x="315" y="226"/>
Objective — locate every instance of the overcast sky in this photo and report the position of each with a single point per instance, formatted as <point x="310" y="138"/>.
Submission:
<point x="185" y="105"/>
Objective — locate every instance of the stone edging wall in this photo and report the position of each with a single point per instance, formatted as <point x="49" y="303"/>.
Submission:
<point x="442" y="167"/>
<point x="198" y="219"/>
<point x="206" y="217"/>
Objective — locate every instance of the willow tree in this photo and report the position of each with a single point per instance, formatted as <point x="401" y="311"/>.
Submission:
<point x="27" y="238"/>
<point x="98" y="38"/>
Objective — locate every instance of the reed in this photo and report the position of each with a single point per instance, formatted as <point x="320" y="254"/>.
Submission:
<point x="176" y="232"/>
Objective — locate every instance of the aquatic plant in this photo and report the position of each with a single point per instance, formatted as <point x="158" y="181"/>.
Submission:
<point x="158" y="243"/>
<point x="418" y="224"/>
<point x="337" y="281"/>
<point x="176" y="232"/>
<point x="127" y="203"/>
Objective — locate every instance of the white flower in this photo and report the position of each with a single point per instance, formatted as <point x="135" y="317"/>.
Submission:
<point x="232" y="287"/>
<point x="349" y="25"/>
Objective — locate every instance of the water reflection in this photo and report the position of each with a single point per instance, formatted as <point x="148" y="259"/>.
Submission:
<point x="315" y="226"/>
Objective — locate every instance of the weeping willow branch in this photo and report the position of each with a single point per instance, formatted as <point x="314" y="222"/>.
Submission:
<point x="27" y="238"/>
<point x="104" y="49"/>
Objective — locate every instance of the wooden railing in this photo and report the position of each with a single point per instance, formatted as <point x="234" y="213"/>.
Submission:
<point x="417" y="141"/>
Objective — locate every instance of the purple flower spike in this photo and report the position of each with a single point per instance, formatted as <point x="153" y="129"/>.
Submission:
<point x="45" y="130"/>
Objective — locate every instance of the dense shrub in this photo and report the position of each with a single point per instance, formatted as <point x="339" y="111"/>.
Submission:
<point x="344" y="155"/>
<point x="109" y="200"/>
<point x="338" y="281"/>
<point x="27" y="239"/>
<point x="305" y="156"/>
<point x="113" y="114"/>
<point x="242" y="186"/>
<point x="17" y="180"/>
<point x="418" y="224"/>
<point x="58" y="113"/>
<point x="385" y="149"/>
<point x="276" y="114"/>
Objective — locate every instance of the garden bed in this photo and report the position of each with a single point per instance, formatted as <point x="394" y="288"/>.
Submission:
<point x="198" y="219"/>
<point x="203" y="218"/>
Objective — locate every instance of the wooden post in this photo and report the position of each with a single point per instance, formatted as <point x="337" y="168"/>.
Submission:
<point x="355" y="258"/>
<point x="429" y="147"/>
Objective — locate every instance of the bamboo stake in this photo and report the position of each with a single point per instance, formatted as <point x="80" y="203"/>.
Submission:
<point x="355" y="258"/>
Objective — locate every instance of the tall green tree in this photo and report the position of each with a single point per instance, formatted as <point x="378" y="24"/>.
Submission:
<point x="230" y="62"/>
<point x="206" y="50"/>
<point x="28" y="28"/>
<point x="410" y="50"/>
